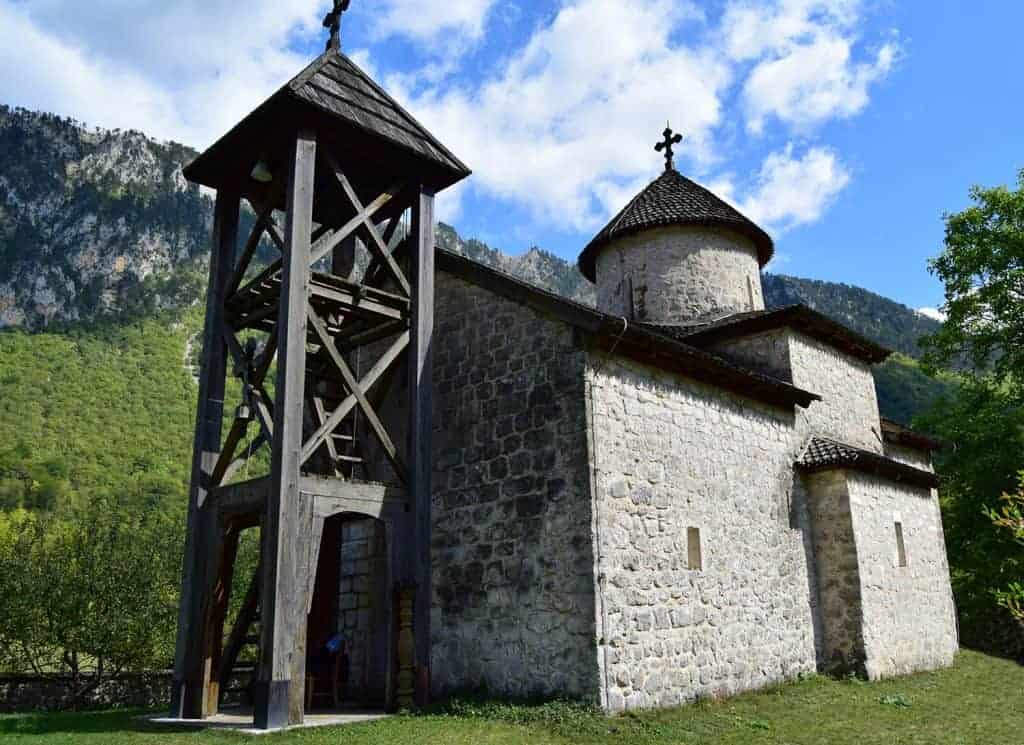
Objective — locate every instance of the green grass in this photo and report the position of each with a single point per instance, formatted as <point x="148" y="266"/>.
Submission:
<point x="980" y="700"/>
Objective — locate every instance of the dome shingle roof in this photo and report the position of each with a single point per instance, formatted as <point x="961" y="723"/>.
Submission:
<point x="673" y="199"/>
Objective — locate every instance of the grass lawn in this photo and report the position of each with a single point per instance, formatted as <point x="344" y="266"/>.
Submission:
<point x="980" y="700"/>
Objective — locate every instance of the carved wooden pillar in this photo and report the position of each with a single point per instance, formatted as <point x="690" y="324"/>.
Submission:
<point x="281" y="681"/>
<point x="421" y="426"/>
<point x="191" y="675"/>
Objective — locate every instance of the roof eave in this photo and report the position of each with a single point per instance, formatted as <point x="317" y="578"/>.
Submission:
<point x="800" y="318"/>
<point x="632" y="341"/>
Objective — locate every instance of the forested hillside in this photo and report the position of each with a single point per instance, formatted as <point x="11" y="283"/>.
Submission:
<point x="102" y="410"/>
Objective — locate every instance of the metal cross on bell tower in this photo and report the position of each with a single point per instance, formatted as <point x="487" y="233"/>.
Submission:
<point x="666" y="145"/>
<point x="332" y="22"/>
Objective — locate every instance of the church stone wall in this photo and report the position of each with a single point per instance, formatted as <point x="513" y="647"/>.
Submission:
<point x="767" y="352"/>
<point x="837" y="572"/>
<point x="848" y="411"/>
<point x="909" y="616"/>
<point x="912" y="456"/>
<point x="679" y="274"/>
<point x="671" y="455"/>
<point x="512" y="552"/>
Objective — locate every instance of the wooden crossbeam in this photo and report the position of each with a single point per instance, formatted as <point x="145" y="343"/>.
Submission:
<point x="346" y="406"/>
<point x="255" y="282"/>
<point x="327" y="243"/>
<point x="249" y="251"/>
<point x="354" y="388"/>
<point x="227" y="453"/>
<point x="376" y="243"/>
<point x="319" y="417"/>
<point x="239" y="631"/>
<point x="227" y="465"/>
<point x="238" y="463"/>
<point x="274" y="235"/>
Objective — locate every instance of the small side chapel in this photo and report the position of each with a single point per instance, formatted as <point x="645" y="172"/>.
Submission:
<point x="478" y="484"/>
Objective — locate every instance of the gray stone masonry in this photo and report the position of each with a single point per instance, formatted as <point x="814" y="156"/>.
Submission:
<point x="362" y="604"/>
<point x="838" y="574"/>
<point x="670" y="454"/>
<point x="570" y="489"/>
<point x="909" y="616"/>
<point x="512" y="553"/>
<point x="679" y="274"/>
<point x="848" y="411"/>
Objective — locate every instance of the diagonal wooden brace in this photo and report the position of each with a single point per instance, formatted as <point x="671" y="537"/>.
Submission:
<point x="335" y="418"/>
<point x="378" y="247"/>
<point x="328" y="242"/>
<point x="354" y="387"/>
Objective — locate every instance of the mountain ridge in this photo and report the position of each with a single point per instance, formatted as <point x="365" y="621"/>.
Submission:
<point x="101" y="226"/>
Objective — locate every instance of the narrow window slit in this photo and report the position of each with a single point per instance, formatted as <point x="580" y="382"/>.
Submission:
<point x="901" y="549"/>
<point x="693" y="551"/>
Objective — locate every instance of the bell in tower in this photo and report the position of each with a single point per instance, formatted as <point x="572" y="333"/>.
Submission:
<point x="327" y="301"/>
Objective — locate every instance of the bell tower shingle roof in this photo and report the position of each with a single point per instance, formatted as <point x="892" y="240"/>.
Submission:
<point x="673" y="199"/>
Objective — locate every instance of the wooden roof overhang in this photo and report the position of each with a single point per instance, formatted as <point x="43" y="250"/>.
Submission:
<point x="898" y="434"/>
<point x="612" y="335"/>
<point x="798" y="317"/>
<point x="367" y="132"/>
<point x="824" y="454"/>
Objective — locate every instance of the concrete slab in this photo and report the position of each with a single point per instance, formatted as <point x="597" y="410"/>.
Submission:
<point x="240" y="720"/>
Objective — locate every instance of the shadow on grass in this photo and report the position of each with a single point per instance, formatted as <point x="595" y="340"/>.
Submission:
<point x="120" y="720"/>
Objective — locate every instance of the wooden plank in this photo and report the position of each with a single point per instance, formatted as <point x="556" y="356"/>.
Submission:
<point x="363" y="215"/>
<point x="364" y="405"/>
<point x="349" y="300"/>
<point x="188" y="696"/>
<point x="239" y="463"/>
<point x="244" y="497"/>
<point x="421" y="426"/>
<point x="319" y="417"/>
<point x="235" y="435"/>
<point x="249" y="251"/>
<point x="239" y="630"/>
<point x="227" y="550"/>
<point x="350" y="402"/>
<point x="324" y="488"/>
<point x="376" y="244"/>
<point x="281" y="680"/>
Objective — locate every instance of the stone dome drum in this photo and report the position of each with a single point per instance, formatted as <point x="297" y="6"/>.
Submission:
<point x="677" y="254"/>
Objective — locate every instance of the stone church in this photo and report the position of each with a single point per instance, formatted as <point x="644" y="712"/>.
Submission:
<point x="678" y="494"/>
<point x="674" y="495"/>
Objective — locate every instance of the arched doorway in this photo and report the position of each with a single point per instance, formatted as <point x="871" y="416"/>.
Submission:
<point x="351" y="607"/>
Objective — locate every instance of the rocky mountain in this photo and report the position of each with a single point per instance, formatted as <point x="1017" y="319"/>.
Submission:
<point x="102" y="224"/>
<point x="93" y="222"/>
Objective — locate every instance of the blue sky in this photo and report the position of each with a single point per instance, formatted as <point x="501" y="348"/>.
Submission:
<point x="845" y="127"/>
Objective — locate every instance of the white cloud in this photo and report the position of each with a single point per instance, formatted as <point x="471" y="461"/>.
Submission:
<point x="563" y="126"/>
<point x="793" y="190"/>
<point x="933" y="313"/>
<point x="185" y="70"/>
<point x="806" y="68"/>
<point x="567" y="128"/>
<point x="424" y="20"/>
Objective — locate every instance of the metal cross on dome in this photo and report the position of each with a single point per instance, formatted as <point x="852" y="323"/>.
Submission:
<point x="333" y="22"/>
<point x="666" y="145"/>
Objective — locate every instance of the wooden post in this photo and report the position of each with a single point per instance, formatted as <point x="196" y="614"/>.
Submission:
<point x="191" y="676"/>
<point x="281" y="681"/>
<point x="421" y="427"/>
<point x="226" y="552"/>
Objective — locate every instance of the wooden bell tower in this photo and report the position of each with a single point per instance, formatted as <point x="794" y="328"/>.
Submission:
<point x="338" y="268"/>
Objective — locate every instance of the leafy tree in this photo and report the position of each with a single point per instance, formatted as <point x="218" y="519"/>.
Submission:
<point x="982" y="267"/>
<point x="1011" y="517"/>
<point x="92" y="594"/>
